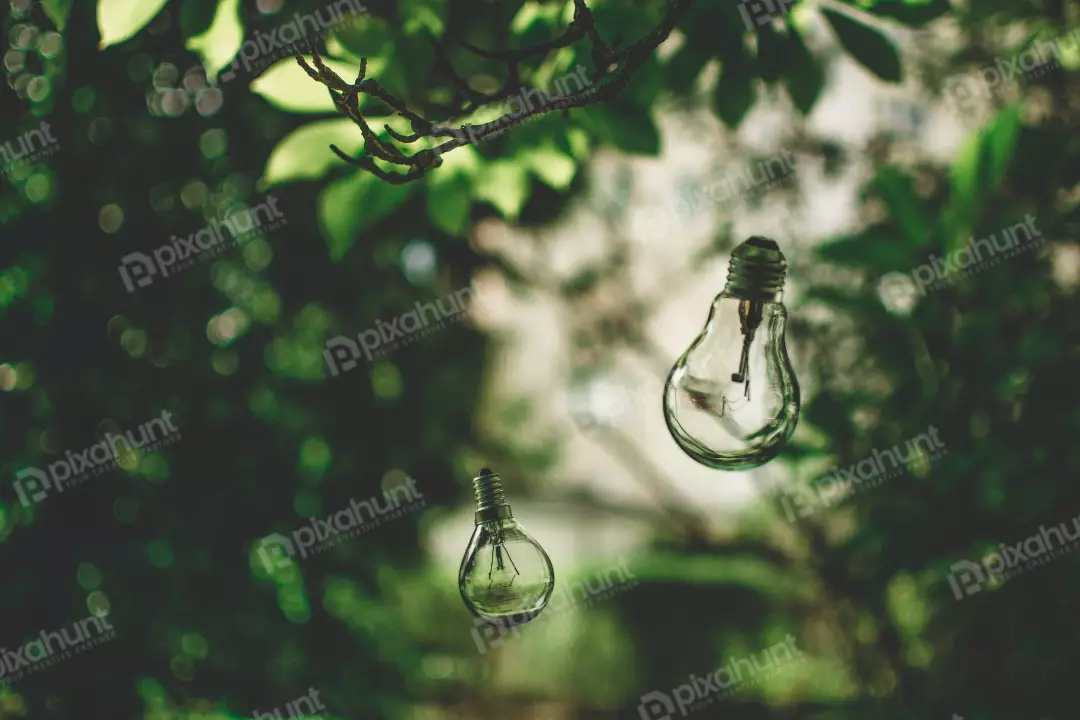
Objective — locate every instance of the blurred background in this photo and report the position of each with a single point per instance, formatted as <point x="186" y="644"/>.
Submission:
<point x="873" y="140"/>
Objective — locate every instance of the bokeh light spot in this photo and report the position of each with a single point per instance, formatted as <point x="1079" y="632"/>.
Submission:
<point x="110" y="218"/>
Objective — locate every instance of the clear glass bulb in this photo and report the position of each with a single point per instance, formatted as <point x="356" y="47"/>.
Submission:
<point x="732" y="400"/>
<point x="505" y="576"/>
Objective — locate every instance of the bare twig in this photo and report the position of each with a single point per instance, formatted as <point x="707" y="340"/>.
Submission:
<point x="614" y="68"/>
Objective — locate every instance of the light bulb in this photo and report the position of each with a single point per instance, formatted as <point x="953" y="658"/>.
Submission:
<point x="732" y="400"/>
<point x="505" y="576"/>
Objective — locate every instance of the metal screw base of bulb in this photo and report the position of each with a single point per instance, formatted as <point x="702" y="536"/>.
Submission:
<point x="757" y="271"/>
<point x="490" y="499"/>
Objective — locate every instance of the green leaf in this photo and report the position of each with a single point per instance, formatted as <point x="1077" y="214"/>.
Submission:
<point x="58" y="11"/>
<point x="909" y="12"/>
<point x="450" y="204"/>
<point x="735" y="92"/>
<point x="196" y="16"/>
<point x="424" y="17"/>
<point x="980" y="165"/>
<point x="877" y="253"/>
<point x="770" y="53"/>
<point x="550" y="165"/>
<point x="897" y="189"/>
<point x="505" y="185"/>
<point x="304" y="154"/>
<point x="354" y="203"/>
<point x="984" y="157"/>
<point x="286" y="86"/>
<point x="867" y="45"/>
<point x="803" y="74"/>
<point x="1001" y="136"/>
<point x="627" y="126"/>
<point x="220" y="43"/>
<point x="119" y="20"/>
<point x="686" y="65"/>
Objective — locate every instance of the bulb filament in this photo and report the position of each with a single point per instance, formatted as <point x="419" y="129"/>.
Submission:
<point x="750" y="313"/>
<point x="497" y="563"/>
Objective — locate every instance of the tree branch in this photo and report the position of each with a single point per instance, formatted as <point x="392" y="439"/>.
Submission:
<point x="614" y="68"/>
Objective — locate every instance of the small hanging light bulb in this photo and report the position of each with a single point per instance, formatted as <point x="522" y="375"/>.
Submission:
<point x="505" y="576"/>
<point x="732" y="400"/>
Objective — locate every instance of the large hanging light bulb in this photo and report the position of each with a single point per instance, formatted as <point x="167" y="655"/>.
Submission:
<point x="505" y="577"/>
<point x="732" y="400"/>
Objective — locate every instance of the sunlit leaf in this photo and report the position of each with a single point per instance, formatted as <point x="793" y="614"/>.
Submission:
<point x="304" y="154"/>
<point x="424" y="16"/>
<point x="979" y="166"/>
<point x="119" y="20"/>
<point x="1000" y="139"/>
<point x="866" y="45"/>
<point x="449" y="205"/>
<point x="505" y="185"/>
<point x="286" y="85"/>
<point x="354" y="203"/>
<point x="218" y="45"/>
<point x="58" y="11"/>
<point x="551" y="166"/>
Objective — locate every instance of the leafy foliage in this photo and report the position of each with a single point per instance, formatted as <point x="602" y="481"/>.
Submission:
<point x="167" y="542"/>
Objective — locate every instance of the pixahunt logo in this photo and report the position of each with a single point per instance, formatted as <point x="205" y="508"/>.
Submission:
<point x="342" y="353"/>
<point x="757" y="176"/>
<point x="265" y="48"/>
<point x="18" y="152"/>
<point x="610" y="582"/>
<point x="965" y="261"/>
<point x="305" y="706"/>
<point x="53" y="647"/>
<point x="702" y="692"/>
<point x="33" y="484"/>
<point x="841" y="484"/>
<point x="1039" y="58"/>
<point x="649" y="222"/>
<point x="756" y="13"/>
<point x="322" y="534"/>
<point x="967" y="578"/>
<point x="138" y="270"/>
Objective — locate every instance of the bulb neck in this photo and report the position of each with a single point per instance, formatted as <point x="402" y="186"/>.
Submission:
<point x="757" y="271"/>
<point x="490" y="499"/>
